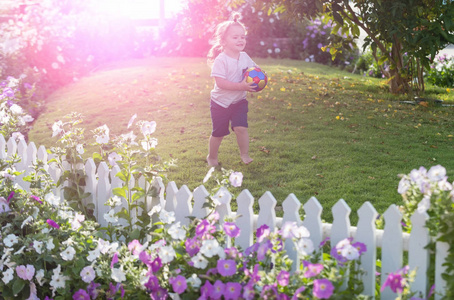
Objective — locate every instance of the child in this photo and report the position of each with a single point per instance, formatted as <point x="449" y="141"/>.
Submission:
<point x="228" y="97"/>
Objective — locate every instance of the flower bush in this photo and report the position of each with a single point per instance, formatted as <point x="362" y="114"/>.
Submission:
<point x="430" y="191"/>
<point x="441" y="72"/>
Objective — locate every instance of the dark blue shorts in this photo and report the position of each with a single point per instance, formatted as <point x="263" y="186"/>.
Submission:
<point x="234" y="115"/>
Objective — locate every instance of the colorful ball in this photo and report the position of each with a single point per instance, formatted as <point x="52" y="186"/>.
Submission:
<point x="257" y="76"/>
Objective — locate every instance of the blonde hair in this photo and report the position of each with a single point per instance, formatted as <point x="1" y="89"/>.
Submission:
<point x="219" y="36"/>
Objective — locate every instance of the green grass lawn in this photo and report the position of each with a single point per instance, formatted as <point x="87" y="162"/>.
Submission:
<point x="314" y="131"/>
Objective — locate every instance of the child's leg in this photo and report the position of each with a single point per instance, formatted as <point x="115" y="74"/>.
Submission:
<point x="213" y="149"/>
<point x="242" y="137"/>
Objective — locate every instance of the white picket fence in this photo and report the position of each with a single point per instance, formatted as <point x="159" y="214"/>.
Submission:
<point x="392" y="241"/>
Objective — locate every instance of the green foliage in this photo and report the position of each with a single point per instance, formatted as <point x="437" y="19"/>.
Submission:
<point x="441" y="72"/>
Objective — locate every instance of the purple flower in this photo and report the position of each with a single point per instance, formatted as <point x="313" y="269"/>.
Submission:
<point x="159" y="294"/>
<point x="145" y="258"/>
<point x="53" y="224"/>
<point x="360" y="246"/>
<point x="156" y="264"/>
<point x="322" y="243"/>
<point x="92" y="289"/>
<point x="192" y="246"/>
<point x="248" y="292"/>
<point x="36" y="198"/>
<point x="152" y="283"/>
<point x="226" y="267"/>
<point x="396" y="281"/>
<point x="262" y="232"/>
<point x="204" y="228"/>
<point x="218" y="290"/>
<point x="231" y="229"/>
<point x="282" y="278"/>
<point x="81" y="295"/>
<point x="323" y="288"/>
<point x="179" y="284"/>
<point x="263" y="249"/>
<point x="206" y="289"/>
<point x="114" y="260"/>
<point x="232" y="290"/>
<point x="11" y="195"/>
<point x="232" y="252"/>
<point x="269" y="292"/>
<point x="298" y="291"/>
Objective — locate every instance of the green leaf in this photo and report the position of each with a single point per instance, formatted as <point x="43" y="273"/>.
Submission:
<point x="120" y="192"/>
<point x="97" y="157"/>
<point x="18" y="285"/>
<point x="355" y="30"/>
<point x="338" y="18"/>
<point x="336" y="7"/>
<point x="382" y="60"/>
<point x="135" y="234"/>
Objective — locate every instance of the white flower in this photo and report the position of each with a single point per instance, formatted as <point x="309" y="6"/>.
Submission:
<point x="52" y="199"/>
<point x="57" y="128"/>
<point x="50" y="244"/>
<point x="68" y="254"/>
<point x="350" y="252"/>
<point x="28" y="118"/>
<point x="301" y="232"/>
<point x="20" y="251"/>
<point x="288" y="229"/>
<point x="277" y="50"/>
<point x="114" y="201"/>
<point x="199" y="261"/>
<point x="154" y="210"/>
<point x="80" y="149"/>
<point x="131" y="121"/>
<point x="87" y="274"/>
<point x="305" y="246"/>
<point x="33" y="292"/>
<point x="167" y="217"/>
<point x="26" y="221"/>
<point x="424" y="204"/>
<point x="103" y="137"/>
<point x="118" y="275"/>
<point x="110" y="217"/>
<point x="262" y="43"/>
<point x="38" y="246"/>
<point x="210" y="248"/>
<point x="149" y="144"/>
<point x="93" y="255"/>
<point x="343" y="243"/>
<point x="113" y="158"/>
<point x="208" y="175"/>
<point x="436" y="173"/>
<point x="40" y="277"/>
<point x="148" y="128"/>
<point x="16" y="109"/>
<point x="55" y="65"/>
<point x="61" y="59"/>
<point x="176" y="232"/>
<point x="58" y="280"/>
<point x="8" y="275"/>
<point x="404" y="185"/>
<point x="166" y="254"/>
<point x="10" y="240"/>
<point x="194" y="281"/>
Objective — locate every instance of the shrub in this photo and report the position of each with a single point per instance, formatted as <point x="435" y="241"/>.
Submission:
<point x="441" y="72"/>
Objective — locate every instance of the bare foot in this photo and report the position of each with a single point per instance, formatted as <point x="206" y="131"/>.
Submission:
<point x="212" y="162"/>
<point x="246" y="159"/>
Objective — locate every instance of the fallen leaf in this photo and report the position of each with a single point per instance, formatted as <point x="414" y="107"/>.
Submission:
<point x="314" y="157"/>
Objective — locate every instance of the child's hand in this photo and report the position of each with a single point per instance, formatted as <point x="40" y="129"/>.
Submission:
<point x="247" y="86"/>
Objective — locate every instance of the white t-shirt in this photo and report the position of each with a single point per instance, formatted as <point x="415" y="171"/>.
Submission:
<point x="231" y="69"/>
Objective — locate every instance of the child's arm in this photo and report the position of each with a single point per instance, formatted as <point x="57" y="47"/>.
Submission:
<point x="235" y="86"/>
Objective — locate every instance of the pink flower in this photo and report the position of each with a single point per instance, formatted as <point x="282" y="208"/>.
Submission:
<point x="53" y="224"/>
<point x="323" y="288"/>
<point x="226" y="267"/>
<point x="25" y="272"/>
<point x="298" y="291"/>
<point x="114" y="260"/>
<point x="134" y="246"/>
<point x="396" y="281"/>
<point x="236" y="179"/>
<point x="179" y="284"/>
<point x="313" y="270"/>
<point x="231" y="229"/>
<point x="36" y="198"/>
<point x="262" y="232"/>
<point x="11" y="195"/>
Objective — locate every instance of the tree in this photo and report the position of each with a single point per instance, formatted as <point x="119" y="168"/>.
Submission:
<point x="404" y="35"/>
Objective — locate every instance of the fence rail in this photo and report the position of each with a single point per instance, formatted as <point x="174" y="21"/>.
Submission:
<point x="393" y="242"/>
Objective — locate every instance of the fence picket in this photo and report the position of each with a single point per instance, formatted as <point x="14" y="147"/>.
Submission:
<point x="291" y="207"/>
<point x="224" y="197"/>
<point x="245" y="220"/>
<point x="171" y="202"/>
<point x="11" y="148"/>
<point x="90" y="182"/>
<point x="3" y="154"/>
<point x="366" y="234"/>
<point x="102" y="193"/>
<point x="392" y="247"/>
<point x="158" y="199"/>
<point x="418" y="257"/>
<point x="200" y="196"/>
<point x="184" y="207"/>
<point x="341" y="222"/>
<point x="267" y="212"/>
<point x="441" y="253"/>
<point x="313" y="220"/>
